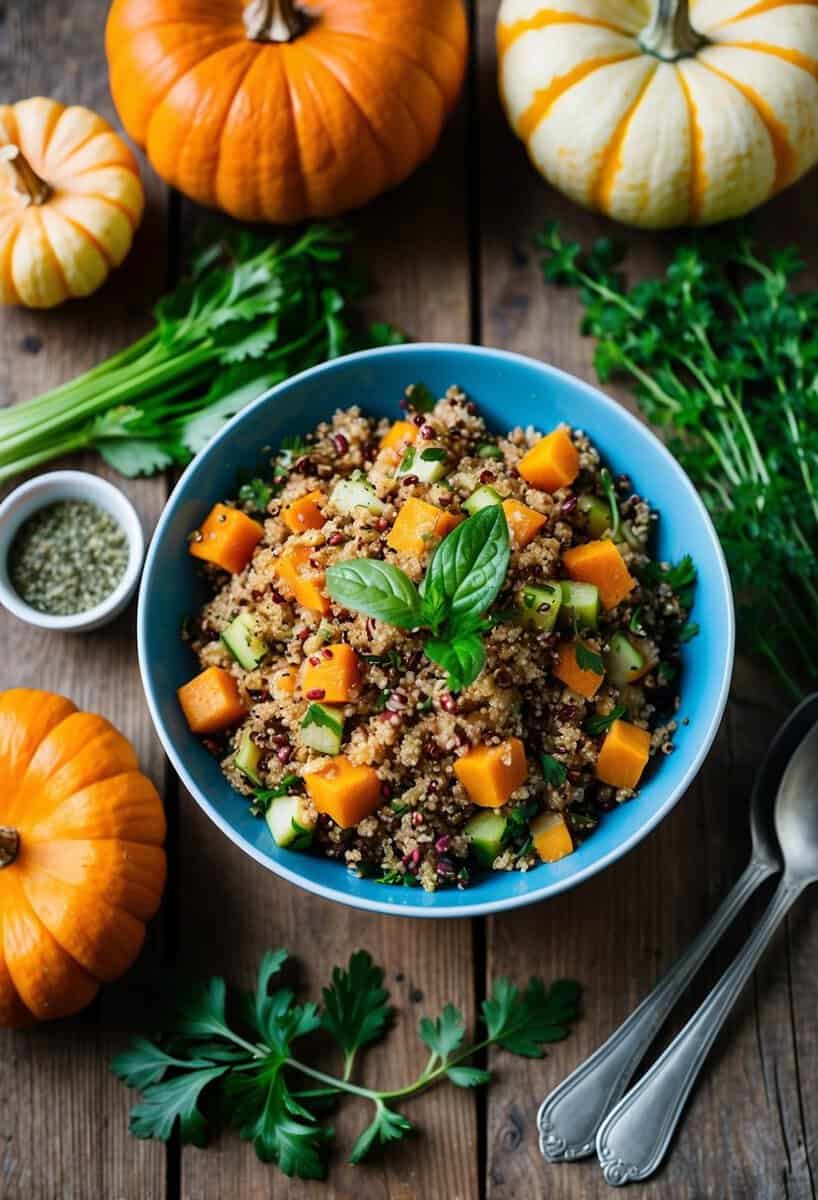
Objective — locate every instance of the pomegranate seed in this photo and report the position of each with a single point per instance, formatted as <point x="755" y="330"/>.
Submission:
<point x="471" y="409"/>
<point x="340" y="442"/>
<point x="284" y="754"/>
<point x="445" y="868"/>
<point x="418" y="819"/>
<point x="442" y="844"/>
<point x="416" y="855"/>
<point x="444" y="500"/>
<point x="568" y="505"/>
<point x="419" y="420"/>
<point x="316" y="693"/>
<point x="314" y="660"/>
<point x="381" y="524"/>
<point x="303" y="634"/>
<point x="448" y="703"/>
<point x="409" y="480"/>
<point x="336" y="539"/>
<point x="487" y="477"/>
<point x="326" y="653"/>
<point x="427" y="432"/>
<point x="386" y="790"/>
<point x="432" y="786"/>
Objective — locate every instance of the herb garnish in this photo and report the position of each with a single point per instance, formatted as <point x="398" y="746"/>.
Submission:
<point x="554" y="773"/>
<point x="251" y="1058"/>
<point x="420" y="397"/>
<point x="588" y="659"/>
<point x="464" y="578"/>
<point x="256" y="494"/>
<point x="610" y="496"/>
<point x="600" y="722"/>
<point x="263" y="797"/>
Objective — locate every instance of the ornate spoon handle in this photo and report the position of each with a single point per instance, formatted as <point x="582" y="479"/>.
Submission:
<point x="570" y="1116"/>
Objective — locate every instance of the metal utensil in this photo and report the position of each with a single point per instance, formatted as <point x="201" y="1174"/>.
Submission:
<point x="634" y="1137"/>
<point x="571" y="1115"/>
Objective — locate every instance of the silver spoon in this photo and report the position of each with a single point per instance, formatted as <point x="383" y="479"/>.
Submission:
<point x="634" y="1137"/>
<point x="571" y="1115"/>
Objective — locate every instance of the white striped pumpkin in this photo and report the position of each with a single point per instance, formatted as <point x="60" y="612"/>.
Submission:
<point x="658" y="115"/>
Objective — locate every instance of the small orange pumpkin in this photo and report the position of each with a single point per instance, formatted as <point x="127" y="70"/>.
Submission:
<point x="280" y="113"/>
<point x="81" y="861"/>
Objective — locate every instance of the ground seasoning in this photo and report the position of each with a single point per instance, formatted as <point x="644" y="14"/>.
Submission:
<point x="67" y="557"/>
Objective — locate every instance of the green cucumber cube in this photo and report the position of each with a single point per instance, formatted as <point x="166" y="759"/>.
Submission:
<point x="350" y="494"/>
<point x="580" y="604"/>
<point x="247" y="758"/>
<point x="290" y="822"/>
<point x="322" y="728"/>
<point x="597" y="514"/>
<point x="485" y="833"/>
<point x="429" y="464"/>
<point x="539" y="604"/>
<point x="623" y="662"/>
<point x="244" y="641"/>
<point x="484" y="497"/>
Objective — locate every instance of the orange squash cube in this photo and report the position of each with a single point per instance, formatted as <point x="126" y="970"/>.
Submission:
<point x="344" y="792"/>
<point x="491" y="773"/>
<point x="624" y="755"/>
<point x="551" y="836"/>
<point x="602" y="564"/>
<point x="578" y="679"/>
<point x="305" y="582"/>
<point x="402" y="434"/>
<point x="334" y="672"/>
<point x="304" y="513"/>
<point x="420" y="526"/>
<point x="211" y="701"/>
<point x="227" y="538"/>
<point x="284" y="681"/>
<point x="551" y="464"/>
<point x="524" y="523"/>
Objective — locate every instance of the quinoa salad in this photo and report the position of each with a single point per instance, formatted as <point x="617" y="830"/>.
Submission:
<point x="432" y="651"/>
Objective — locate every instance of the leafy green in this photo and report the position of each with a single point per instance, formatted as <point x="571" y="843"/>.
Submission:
<point x="256" y="494"/>
<point x="376" y="588"/>
<point x="469" y="566"/>
<point x="554" y="772"/>
<point x="263" y="797"/>
<point x="463" y="658"/>
<point x="602" y="721"/>
<point x="420" y="397"/>
<point x="610" y="496"/>
<point x="252" y="1058"/>
<point x="588" y="659"/>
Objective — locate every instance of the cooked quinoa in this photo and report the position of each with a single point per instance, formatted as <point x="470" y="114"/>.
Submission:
<point x="402" y="720"/>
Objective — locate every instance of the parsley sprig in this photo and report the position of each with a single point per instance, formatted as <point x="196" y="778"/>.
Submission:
<point x="245" y="1046"/>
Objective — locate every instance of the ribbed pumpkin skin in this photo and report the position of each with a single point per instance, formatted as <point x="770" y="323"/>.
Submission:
<point x="66" y="246"/>
<point x="90" y="868"/>
<point x="286" y="131"/>
<point x="653" y="143"/>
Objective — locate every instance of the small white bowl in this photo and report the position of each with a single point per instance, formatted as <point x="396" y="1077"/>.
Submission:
<point x="27" y="499"/>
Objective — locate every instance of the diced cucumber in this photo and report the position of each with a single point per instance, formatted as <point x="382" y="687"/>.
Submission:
<point x="597" y="514"/>
<point x="247" y="758"/>
<point x="350" y="494"/>
<point x="429" y="464"/>
<point x="322" y="728"/>
<point x="484" y="497"/>
<point x="485" y="833"/>
<point x="290" y="822"/>
<point x="580" y="604"/>
<point x="623" y="662"/>
<point x="539" y="604"/>
<point x="245" y="643"/>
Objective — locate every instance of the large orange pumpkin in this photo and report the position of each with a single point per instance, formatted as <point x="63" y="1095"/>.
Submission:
<point x="81" y="861"/>
<point x="279" y="113"/>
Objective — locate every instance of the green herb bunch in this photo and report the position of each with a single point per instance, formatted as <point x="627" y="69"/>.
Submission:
<point x="247" y="1047"/>
<point x="251" y="313"/>
<point x="464" y="578"/>
<point x="723" y="353"/>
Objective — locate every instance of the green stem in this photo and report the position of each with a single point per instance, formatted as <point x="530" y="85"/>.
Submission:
<point x="68" y="445"/>
<point x="650" y="385"/>
<point x="784" y="675"/>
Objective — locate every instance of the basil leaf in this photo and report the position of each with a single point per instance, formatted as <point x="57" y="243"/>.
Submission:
<point x="433" y="454"/>
<point x="433" y="608"/>
<point x="376" y="588"/>
<point x="463" y="658"/>
<point x="469" y="566"/>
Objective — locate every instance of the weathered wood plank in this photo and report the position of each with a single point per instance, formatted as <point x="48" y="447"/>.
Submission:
<point x="63" y="1118"/>
<point x="746" y="1129"/>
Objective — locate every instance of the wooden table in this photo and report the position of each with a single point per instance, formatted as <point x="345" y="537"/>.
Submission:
<point x="454" y="262"/>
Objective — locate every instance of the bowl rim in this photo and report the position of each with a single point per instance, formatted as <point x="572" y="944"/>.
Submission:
<point x="443" y="910"/>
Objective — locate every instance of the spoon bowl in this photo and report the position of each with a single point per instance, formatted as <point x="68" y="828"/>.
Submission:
<point x="796" y="814"/>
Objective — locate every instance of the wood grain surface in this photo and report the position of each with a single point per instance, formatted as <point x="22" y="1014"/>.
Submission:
<point x="453" y="260"/>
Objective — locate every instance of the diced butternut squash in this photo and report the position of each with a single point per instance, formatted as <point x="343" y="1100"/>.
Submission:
<point x="551" y="837"/>
<point x="304" y="581"/>
<point x="211" y="701"/>
<point x="402" y="434"/>
<point x="331" y="675"/>
<point x="601" y="563"/>
<point x="624" y="755"/>
<point x="491" y="773"/>
<point x="284" y="681"/>
<point x="524" y="523"/>
<point x="305" y="513"/>
<point x="420" y="526"/>
<point x="227" y="538"/>
<point x="577" y="678"/>
<point x="344" y="792"/>
<point x="551" y="464"/>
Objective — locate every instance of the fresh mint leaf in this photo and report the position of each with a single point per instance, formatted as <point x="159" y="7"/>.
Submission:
<point x="554" y="773"/>
<point x="444" y="1035"/>
<point x="176" y="1099"/>
<point x="469" y="566"/>
<point x="356" y="1010"/>
<point x="420" y="397"/>
<point x="588" y="659"/>
<point x="376" y="588"/>
<point x="387" y="1126"/>
<point x="523" y="1022"/>
<point x="463" y="658"/>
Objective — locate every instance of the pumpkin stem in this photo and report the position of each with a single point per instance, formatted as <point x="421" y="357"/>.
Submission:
<point x="28" y="184"/>
<point x="273" y="20"/>
<point x="669" y="34"/>
<point x="9" y="845"/>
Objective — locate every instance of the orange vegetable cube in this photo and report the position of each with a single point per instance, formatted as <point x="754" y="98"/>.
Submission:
<point x="284" y="681"/>
<point x="211" y="701"/>
<point x="624" y="755"/>
<point x="345" y="792"/>
<point x="227" y="538"/>
<point x="602" y="564"/>
<point x="552" y="463"/>
<point x="577" y="678"/>
<point x="402" y="434"/>
<point x="333" y="672"/>
<point x="551" y="836"/>
<point x="420" y="526"/>
<point x="304" y="513"/>
<point x="491" y="773"/>
<point x="524" y="523"/>
<point x="305" y="582"/>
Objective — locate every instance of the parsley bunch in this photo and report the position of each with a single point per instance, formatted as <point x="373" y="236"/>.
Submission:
<point x="251" y="313"/>
<point x="246" y="1047"/>
<point x="723" y="354"/>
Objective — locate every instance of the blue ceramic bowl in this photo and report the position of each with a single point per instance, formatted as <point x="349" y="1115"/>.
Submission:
<point x="509" y="390"/>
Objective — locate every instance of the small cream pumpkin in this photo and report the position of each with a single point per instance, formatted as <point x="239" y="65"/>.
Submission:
<point x="661" y="115"/>
<point x="70" y="201"/>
